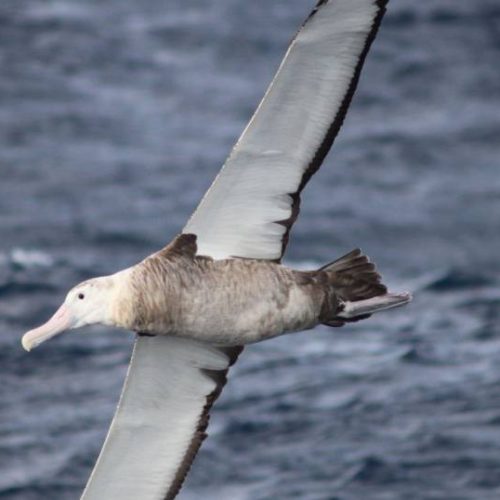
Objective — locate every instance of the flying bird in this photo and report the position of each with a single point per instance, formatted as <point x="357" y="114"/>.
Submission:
<point x="219" y="284"/>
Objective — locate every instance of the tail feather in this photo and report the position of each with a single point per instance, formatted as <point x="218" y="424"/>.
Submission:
<point x="355" y="290"/>
<point x="354" y="277"/>
<point x="375" y="304"/>
<point x="346" y="261"/>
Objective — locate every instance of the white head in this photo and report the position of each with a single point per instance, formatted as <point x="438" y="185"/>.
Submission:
<point x="86" y="304"/>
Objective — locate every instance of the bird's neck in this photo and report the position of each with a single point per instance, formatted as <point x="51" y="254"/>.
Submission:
<point x="120" y="309"/>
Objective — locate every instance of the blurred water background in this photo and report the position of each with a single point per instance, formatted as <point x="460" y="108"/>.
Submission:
<point x="115" y="115"/>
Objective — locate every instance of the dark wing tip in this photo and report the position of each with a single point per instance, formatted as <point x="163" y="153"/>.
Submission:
<point x="338" y="119"/>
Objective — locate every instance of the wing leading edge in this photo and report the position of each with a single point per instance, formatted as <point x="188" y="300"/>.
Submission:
<point x="252" y="204"/>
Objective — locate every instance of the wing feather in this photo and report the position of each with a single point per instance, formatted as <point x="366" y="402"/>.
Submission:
<point x="161" y="419"/>
<point x="249" y="209"/>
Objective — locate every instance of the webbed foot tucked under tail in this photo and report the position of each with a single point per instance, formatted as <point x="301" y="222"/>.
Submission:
<point x="355" y="290"/>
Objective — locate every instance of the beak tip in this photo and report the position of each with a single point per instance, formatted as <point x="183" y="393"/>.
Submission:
<point x="60" y="321"/>
<point x="27" y="345"/>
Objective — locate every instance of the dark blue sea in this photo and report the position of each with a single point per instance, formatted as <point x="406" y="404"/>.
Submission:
<point x="115" y="115"/>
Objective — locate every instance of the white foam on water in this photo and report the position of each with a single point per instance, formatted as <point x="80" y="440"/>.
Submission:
<point x="29" y="258"/>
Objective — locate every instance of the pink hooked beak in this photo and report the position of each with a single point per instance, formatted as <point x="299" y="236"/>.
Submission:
<point x="60" y="321"/>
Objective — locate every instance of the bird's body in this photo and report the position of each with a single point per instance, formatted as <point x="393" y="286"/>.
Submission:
<point x="231" y="302"/>
<point x="226" y="302"/>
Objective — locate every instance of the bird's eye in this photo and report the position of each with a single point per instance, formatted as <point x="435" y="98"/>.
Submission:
<point x="81" y="296"/>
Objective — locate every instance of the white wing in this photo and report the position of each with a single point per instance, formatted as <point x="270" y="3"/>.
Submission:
<point x="248" y="212"/>
<point x="161" y="419"/>
<point x="250" y="207"/>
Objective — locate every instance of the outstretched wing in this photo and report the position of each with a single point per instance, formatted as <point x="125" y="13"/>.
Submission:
<point x="249" y="209"/>
<point x="161" y="418"/>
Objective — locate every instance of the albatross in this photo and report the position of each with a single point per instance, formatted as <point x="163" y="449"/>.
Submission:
<point x="220" y="284"/>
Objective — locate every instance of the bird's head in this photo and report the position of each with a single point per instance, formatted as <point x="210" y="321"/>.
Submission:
<point x="86" y="304"/>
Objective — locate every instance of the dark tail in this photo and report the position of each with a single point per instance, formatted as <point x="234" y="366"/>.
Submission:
<point x="355" y="290"/>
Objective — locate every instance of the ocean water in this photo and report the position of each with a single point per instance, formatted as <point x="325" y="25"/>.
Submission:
<point x="115" y="115"/>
